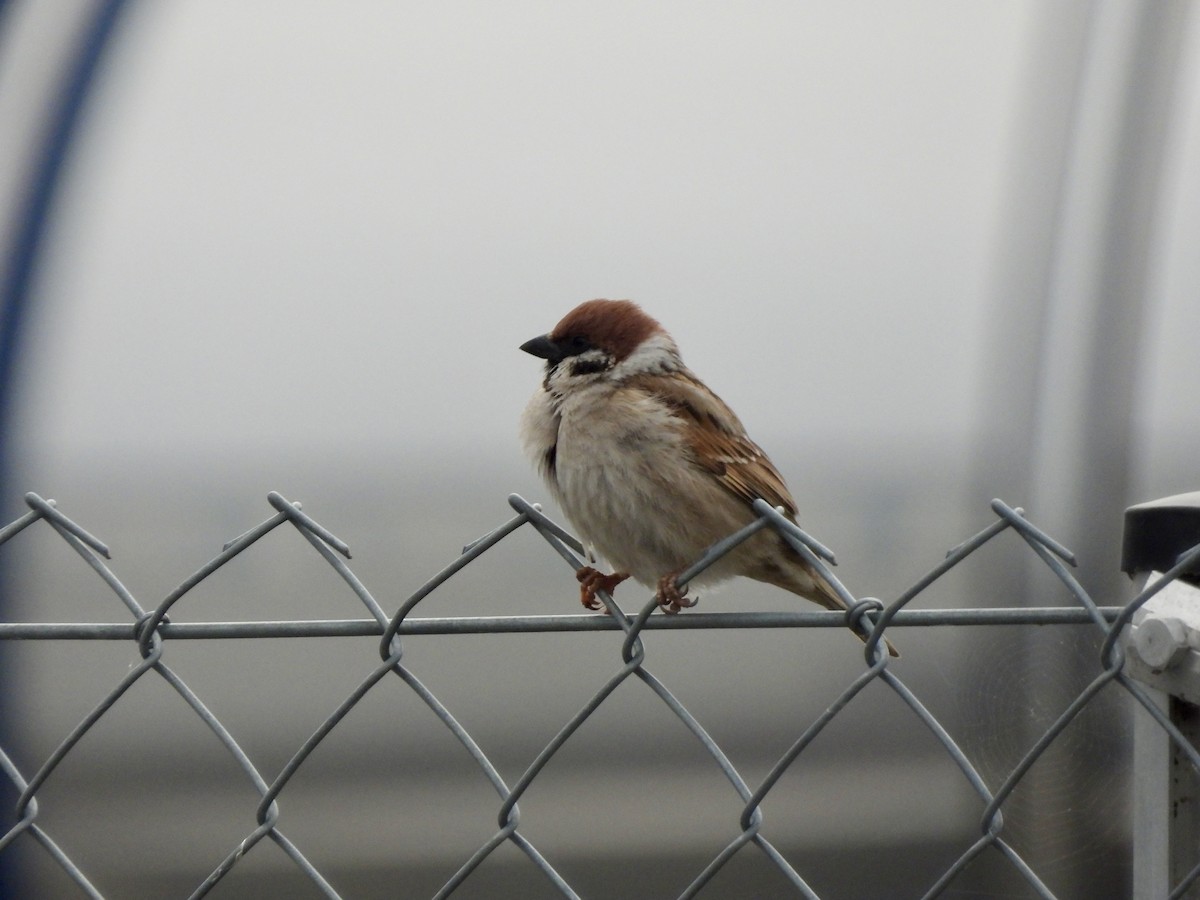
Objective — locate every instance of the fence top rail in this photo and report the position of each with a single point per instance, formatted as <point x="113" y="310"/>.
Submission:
<point x="309" y="628"/>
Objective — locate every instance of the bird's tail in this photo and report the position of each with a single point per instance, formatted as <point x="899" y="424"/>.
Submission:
<point x="819" y="590"/>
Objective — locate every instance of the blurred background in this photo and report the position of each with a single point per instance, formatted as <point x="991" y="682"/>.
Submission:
<point x="932" y="253"/>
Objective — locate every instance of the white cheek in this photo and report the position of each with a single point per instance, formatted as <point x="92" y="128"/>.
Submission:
<point x="577" y="371"/>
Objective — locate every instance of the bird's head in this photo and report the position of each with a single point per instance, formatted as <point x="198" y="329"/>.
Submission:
<point x="603" y="340"/>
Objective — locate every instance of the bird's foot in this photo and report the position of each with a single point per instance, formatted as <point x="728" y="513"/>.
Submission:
<point x="671" y="598"/>
<point x="591" y="580"/>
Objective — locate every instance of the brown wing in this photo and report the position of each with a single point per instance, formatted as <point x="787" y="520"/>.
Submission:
<point x="719" y="443"/>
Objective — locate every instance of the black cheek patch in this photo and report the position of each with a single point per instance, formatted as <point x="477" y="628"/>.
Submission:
<point x="588" y="366"/>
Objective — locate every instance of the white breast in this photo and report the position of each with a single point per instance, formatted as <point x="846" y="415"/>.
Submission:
<point x="625" y="480"/>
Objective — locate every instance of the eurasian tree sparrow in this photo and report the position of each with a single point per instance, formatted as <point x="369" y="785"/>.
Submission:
<point x="650" y="465"/>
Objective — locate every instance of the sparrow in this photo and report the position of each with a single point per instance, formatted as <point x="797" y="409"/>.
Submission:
<point x="649" y="465"/>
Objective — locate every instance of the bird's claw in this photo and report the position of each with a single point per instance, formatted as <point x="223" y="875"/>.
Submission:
<point x="591" y="580"/>
<point x="671" y="598"/>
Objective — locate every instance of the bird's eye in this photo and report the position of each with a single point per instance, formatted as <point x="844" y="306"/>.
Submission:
<point x="580" y="344"/>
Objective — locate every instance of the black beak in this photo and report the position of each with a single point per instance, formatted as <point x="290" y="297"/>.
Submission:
<point x="543" y="348"/>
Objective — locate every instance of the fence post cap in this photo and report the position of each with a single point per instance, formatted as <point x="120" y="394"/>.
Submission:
<point x="1159" y="531"/>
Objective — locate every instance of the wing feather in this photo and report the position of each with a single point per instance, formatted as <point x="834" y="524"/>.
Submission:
<point x="717" y="440"/>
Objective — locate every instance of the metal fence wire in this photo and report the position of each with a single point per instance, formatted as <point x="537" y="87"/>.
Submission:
<point x="151" y="632"/>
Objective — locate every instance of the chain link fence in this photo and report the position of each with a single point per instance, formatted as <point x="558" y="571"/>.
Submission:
<point x="152" y="632"/>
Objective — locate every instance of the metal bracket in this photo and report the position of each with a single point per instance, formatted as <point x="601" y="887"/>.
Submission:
<point x="1163" y="642"/>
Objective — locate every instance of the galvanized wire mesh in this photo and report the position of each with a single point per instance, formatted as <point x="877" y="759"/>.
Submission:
<point x="151" y="632"/>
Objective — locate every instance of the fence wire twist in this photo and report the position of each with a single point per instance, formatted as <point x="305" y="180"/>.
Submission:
<point x="151" y="629"/>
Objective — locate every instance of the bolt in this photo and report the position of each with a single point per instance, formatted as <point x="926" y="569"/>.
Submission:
<point x="1161" y="643"/>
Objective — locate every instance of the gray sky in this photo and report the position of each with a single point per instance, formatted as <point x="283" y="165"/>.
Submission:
<point x="308" y="225"/>
<point x="292" y="226"/>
